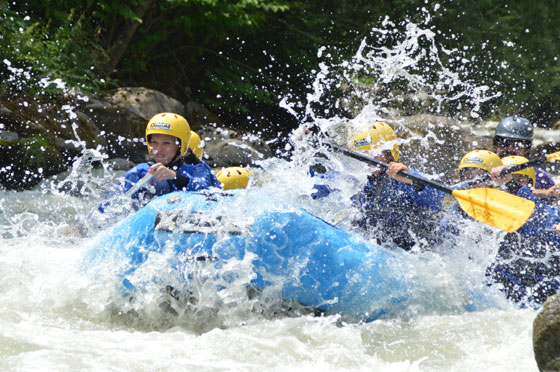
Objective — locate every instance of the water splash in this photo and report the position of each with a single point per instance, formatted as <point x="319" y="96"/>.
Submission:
<point x="396" y="68"/>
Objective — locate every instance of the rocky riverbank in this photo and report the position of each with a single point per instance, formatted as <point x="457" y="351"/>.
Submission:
<point x="42" y="138"/>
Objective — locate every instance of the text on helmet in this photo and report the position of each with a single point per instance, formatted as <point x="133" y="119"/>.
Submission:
<point x="157" y="125"/>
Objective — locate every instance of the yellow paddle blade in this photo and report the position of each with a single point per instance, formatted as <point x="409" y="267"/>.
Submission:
<point x="496" y="208"/>
<point x="553" y="157"/>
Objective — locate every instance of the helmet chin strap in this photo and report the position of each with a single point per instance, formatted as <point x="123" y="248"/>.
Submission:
<point x="178" y="153"/>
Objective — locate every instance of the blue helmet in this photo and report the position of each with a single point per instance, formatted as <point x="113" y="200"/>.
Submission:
<point x="515" y="127"/>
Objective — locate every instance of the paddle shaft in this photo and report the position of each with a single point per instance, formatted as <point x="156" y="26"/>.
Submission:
<point x="139" y="184"/>
<point x="414" y="178"/>
<point x="493" y="207"/>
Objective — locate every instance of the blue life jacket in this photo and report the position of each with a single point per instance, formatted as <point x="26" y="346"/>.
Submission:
<point x="544" y="217"/>
<point x="543" y="180"/>
<point x="527" y="264"/>
<point x="399" y="212"/>
<point x="190" y="177"/>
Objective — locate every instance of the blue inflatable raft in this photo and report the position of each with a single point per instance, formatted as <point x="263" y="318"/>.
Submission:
<point x="291" y="253"/>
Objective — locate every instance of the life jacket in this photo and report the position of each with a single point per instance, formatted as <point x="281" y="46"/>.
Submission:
<point x="398" y="212"/>
<point x="192" y="175"/>
<point x="527" y="264"/>
<point x="543" y="180"/>
<point x="527" y="267"/>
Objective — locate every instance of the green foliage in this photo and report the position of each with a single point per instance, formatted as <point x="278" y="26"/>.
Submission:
<point x="238" y="56"/>
<point x="210" y="47"/>
<point x="47" y="42"/>
<point x="516" y="47"/>
<point x="30" y="159"/>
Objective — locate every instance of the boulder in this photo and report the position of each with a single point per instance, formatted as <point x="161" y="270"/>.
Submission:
<point x="199" y="116"/>
<point x="122" y="130"/>
<point x="6" y="135"/>
<point x="226" y="148"/>
<point x="26" y="161"/>
<point x="119" y="164"/>
<point x="40" y="139"/>
<point x="546" y="335"/>
<point x="144" y="102"/>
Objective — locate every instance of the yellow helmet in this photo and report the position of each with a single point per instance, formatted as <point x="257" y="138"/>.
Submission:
<point x="482" y="159"/>
<point x="195" y="145"/>
<point x="234" y="177"/>
<point x="172" y="125"/>
<point x="513" y="159"/>
<point x="374" y="138"/>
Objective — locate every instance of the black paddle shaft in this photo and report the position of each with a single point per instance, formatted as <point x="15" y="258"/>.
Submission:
<point x="369" y="160"/>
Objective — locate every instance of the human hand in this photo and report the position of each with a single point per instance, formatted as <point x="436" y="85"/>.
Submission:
<point x="393" y="168"/>
<point x="554" y="191"/>
<point x="495" y="175"/>
<point x="161" y="172"/>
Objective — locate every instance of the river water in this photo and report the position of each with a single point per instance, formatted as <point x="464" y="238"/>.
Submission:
<point x="54" y="316"/>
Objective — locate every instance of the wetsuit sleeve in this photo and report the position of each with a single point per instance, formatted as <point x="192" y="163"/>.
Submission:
<point x="129" y="179"/>
<point x="543" y="180"/>
<point x="426" y="197"/>
<point x="133" y="176"/>
<point x="543" y="217"/>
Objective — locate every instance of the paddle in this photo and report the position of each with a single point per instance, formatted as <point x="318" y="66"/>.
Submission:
<point x="555" y="156"/>
<point x="138" y="185"/>
<point x="493" y="207"/>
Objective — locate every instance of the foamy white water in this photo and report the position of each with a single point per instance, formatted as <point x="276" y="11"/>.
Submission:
<point x="492" y="340"/>
<point x="54" y="317"/>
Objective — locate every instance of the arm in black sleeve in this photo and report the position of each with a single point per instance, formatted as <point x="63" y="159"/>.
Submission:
<point x="513" y="187"/>
<point x="180" y="181"/>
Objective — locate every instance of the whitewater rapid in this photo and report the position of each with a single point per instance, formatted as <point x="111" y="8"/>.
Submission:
<point x="54" y="317"/>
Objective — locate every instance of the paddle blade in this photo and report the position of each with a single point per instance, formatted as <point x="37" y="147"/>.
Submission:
<point x="496" y="208"/>
<point x="555" y="156"/>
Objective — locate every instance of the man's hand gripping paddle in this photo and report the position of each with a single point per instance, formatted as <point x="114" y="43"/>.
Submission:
<point x="493" y="207"/>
